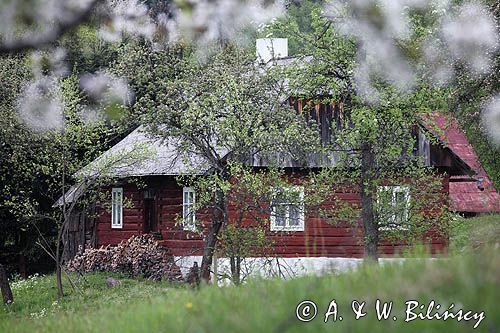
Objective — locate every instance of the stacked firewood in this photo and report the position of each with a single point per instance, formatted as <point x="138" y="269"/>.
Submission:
<point x="137" y="256"/>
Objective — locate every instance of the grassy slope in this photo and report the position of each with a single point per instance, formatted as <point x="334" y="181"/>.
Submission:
<point x="471" y="234"/>
<point x="471" y="279"/>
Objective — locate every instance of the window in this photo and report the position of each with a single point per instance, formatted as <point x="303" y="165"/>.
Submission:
<point x="188" y="210"/>
<point x="393" y="206"/>
<point x="287" y="209"/>
<point x="117" y="208"/>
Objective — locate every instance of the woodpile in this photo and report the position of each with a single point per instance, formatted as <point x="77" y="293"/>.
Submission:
<point x="137" y="256"/>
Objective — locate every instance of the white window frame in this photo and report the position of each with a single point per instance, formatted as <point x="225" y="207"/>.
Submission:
<point x="117" y="208"/>
<point x="393" y="224"/>
<point x="189" y="218"/>
<point x="287" y="226"/>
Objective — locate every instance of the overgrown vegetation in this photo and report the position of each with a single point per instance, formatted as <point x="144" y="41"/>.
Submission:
<point x="36" y="296"/>
<point x="32" y="164"/>
<point x="373" y="135"/>
<point x="470" y="94"/>
<point x="475" y="233"/>
<point x="142" y="305"/>
<point x="139" y="305"/>
<point x="224" y="104"/>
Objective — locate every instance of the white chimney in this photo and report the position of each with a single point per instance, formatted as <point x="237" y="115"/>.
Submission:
<point x="271" y="48"/>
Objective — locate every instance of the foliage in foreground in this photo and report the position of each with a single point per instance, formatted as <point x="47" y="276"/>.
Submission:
<point x="470" y="282"/>
<point x="36" y="297"/>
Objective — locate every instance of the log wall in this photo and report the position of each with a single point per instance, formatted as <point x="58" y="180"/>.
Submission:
<point x="319" y="239"/>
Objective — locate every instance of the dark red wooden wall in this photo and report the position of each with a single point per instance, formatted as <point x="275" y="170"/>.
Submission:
<point x="318" y="239"/>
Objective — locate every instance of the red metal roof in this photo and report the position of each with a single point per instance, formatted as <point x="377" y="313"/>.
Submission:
<point x="465" y="196"/>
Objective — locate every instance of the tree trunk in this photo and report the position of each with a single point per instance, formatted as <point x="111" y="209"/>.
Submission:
<point x="238" y="270"/>
<point x="5" y="287"/>
<point x="60" y="292"/>
<point x="235" y="269"/>
<point x="220" y="218"/>
<point x="367" y="194"/>
<point x="23" y="269"/>
<point x="232" y="263"/>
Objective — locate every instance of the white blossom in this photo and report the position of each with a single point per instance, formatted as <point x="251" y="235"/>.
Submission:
<point x="128" y="17"/>
<point x="439" y="64"/>
<point x="377" y="25"/>
<point x="491" y="118"/>
<point x="36" y="18"/>
<point x="41" y="105"/>
<point x="468" y="35"/>
<point x="55" y="58"/>
<point x="207" y="21"/>
<point x="471" y="36"/>
<point x="103" y="87"/>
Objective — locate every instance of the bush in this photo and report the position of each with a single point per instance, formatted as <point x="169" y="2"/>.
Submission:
<point x="474" y="233"/>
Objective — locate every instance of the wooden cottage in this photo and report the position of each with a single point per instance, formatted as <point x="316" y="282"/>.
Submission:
<point x="301" y="241"/>
<point x="305" y="242"/>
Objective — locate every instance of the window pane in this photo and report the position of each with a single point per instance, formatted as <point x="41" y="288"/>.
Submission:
<point x="393" y="206"/>
<point x="400" y="207"/>
<point x="119" y="215"/>
<point x="294" y="215"/>
<point x="399" y="216"/>
<point x="400" y="198"/>
<point x="280" y="217"/>
<point x="188" y="213"/>
<point x="279" y="200"/>
<point x="287" y="208"/>
<point x="116" y="207"/>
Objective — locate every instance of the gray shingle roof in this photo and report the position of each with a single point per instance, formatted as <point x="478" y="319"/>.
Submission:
<point x="163" y="158"/>
<point x="140" y="155"/>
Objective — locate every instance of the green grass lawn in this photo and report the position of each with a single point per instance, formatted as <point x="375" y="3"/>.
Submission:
<point x="470" y="279"/>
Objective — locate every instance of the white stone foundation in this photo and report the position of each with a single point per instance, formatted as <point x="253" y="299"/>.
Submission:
<point x="279" y="267"/>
